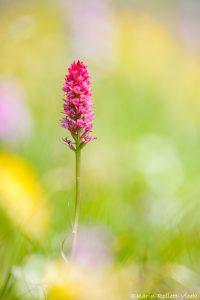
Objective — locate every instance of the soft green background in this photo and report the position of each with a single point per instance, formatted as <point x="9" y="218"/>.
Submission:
<point x="140" y="178"/>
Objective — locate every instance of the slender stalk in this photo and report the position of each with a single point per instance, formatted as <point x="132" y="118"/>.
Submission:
<point x="77" y="202"/>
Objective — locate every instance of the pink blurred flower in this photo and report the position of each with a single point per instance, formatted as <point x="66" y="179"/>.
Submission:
<point x="15" y="118"/>
<point x="77" y="104"/>
<point x="92" y="248"/>
<point x="95" y="40"/>
<point x="188" y="25"/>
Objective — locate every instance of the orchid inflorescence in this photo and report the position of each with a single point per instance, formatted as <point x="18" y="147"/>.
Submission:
<point x="77" y="106"/>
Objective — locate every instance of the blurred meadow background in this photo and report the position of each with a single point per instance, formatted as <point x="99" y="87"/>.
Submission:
<point x="140" y="210"/>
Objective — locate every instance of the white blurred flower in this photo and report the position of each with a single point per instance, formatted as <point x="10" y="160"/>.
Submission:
<point x="39" y="278"/>
<point x="29" y="277"/>
<point x="156" y="158"/>
<point x="165" y="212"/>
<point x="186" y="277"/>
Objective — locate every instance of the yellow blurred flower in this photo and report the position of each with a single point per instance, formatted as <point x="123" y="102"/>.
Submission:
<point x="143" y="43"/>
<point x="22" y="197"/>
<point x="183" y="89"/>
<point x="148" y="49"/>
<point x="75" y="282"/>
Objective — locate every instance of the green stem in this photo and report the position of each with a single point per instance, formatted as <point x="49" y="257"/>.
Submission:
<point x="77" y="203"/>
